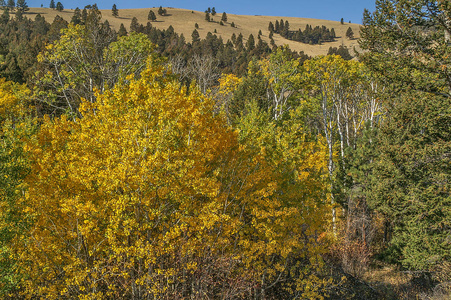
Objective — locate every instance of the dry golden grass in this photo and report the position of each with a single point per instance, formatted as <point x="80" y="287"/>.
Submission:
<point x="184" y="20"/>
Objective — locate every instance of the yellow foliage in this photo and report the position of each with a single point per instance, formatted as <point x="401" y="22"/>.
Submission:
<point x="150" y="194"/>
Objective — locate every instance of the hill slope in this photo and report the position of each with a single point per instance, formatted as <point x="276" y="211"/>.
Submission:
<point x="184" y="21"/>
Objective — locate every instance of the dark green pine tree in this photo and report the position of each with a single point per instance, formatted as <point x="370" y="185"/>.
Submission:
<point x="52" y="4"/>
<point x="250" y="44"/>
<point x="224" y="17"/>
<point x="271" y="27"/>
<point x="350" y="33"/>
<point x="195" y="36"/>
<point x="114" y="11"/>
<point x="4" y="19"/>
<point x="412" y="169"/>
<point x="207" y="16"/>
<point x="76" y="18"/>
<point x="134" y="25"/>
<point x="342" y="21"/>
<point x="151" y="16"/>
<point x="161" y="11"/>
<point x="11" y="4"/>
<point x="22" y="5"/>
<point x="59" y="6"/>
<point x="277" y="27"/>
<point x="122" y="31"/>
<point x="213" y="11"/>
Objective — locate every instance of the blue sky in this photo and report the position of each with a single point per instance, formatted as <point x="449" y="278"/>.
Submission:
<point x="350" y="10"/>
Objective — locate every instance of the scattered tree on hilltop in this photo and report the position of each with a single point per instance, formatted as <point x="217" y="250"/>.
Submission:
<point x="59" y="6"/>
<point x="151" y="16"/>
<point x="114" y="11"/>
<point x="52" y="4"/>
<point x="213" y="11"/>
<point x="161" y="11"/>
<point x="350" y="33"/>
<point x="224" y="17"/>
<point x="310" y="35"/>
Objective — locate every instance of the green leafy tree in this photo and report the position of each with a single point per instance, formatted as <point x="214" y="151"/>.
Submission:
<point x="151" y="16"/>
<point x="114" y="11"/>
<point x="85" y="59"/>
<point x="407" y="44"/>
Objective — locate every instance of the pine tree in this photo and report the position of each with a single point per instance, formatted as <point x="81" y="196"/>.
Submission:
<point x="4" y="19"/>
<point x="277" y="27"/>
<point x="114" y="11"/>
<point x="207" y="16"/>
<point x="224" y="17"/>
<point x="195" y="36"/>
<point x="342" y="21"/>
<point x="11" y="4"/>
<point x="196" y="26"/>
<point x="52" y="4"/>
<point x="412" y="169"/>
<point x="350" y="33"/>
<point x="122" y="31"/>
<point x="151" y="16"/>
<point x="232" y="24"/>
<point x="213" y="11"/>
<point x="22" y="5"/>
<point x="59" y="6"/>
<point x="76" y="18"/>
<point x="271" y="27"/>
<point x="134" y="25"/>
<point x="250" y="44"/>
<point x="161" y="11"/>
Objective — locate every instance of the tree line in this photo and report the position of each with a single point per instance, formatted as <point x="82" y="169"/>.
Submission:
<point x="310" y="35"/>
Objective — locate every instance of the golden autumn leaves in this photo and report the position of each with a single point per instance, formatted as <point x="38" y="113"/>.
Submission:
<point x="151" y="194"/>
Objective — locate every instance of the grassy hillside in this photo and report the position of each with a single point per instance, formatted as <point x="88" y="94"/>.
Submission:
<point x="184" y="20"/>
